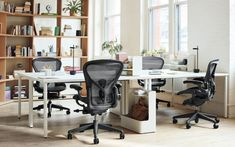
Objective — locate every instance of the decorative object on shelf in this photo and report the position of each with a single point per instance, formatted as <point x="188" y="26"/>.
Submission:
<point x="113" y="47"/>
<point x="73" y="72"/>
<point x="196" y="69"/>
<point x="48" y="8"/>
<point x="0" y="28"/>
<point x="74" y="7"/>
<point x="39" y="54"/>
<point x="27" y="7"/>
<point x="51" y="52"/>
<point x="78" y="33"/>
<point x="57" y="31"/>
<point x="68" y="30"/>
<point x="2" y="5"/>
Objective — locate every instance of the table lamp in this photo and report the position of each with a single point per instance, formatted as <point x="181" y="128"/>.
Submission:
<point x="196" y="69"/>
<point x="73" y="72"/>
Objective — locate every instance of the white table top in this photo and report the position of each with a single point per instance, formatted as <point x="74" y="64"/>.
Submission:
<point x="64" y="77"/>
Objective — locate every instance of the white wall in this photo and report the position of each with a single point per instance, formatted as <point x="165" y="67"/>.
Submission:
<point x="208" y="28"/>
<point x="131" y="26"/>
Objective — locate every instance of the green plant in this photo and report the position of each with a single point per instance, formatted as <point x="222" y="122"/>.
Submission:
<point x="154" y="52"/>
<point x="113" y="47"/>
<point x="74" y="6"/>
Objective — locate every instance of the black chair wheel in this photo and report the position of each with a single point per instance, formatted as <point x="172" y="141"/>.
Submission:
<point x="67" y="112"/>
<point x="168" y="104"/>
<point x="217" y="120"/>
<point x="49" y="115"/>
<point x="69" y="136"/>
<point x="216" y="126"/>
<point x="96" y="140"/>
<point x="196" y="120"/>
<point x="122" y="136"/>
<point x="188" y="126"/>
<point x="174" y="121"/>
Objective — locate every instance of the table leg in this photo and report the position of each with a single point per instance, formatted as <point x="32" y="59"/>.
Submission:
<point x="172" y="92"/>
<point x="45" y="110"/>
<point x="226" y="97"/>
<point x="19" y="97"/>
<point x="30" y="103"/>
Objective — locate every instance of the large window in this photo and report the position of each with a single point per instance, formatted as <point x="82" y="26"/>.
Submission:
<point x="112" y="20"/>
<point x="161" y="22"/>
<point x="181" y="26"/>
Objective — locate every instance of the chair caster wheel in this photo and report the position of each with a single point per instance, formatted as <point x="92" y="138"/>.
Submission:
<point x="168" y="104"/>
<point x="122" y="136"/>
<point x="196" y="120"/>
<point x="96" y="140"/>
<point x="216" y="126"/>
<point x="174" y="121"/>
<point x="68" y="112"/>
<point x="69" y="136"/>
<point x="217" y="120"/>
<point x="188" y="126"/>
<point x="49" y="115"/>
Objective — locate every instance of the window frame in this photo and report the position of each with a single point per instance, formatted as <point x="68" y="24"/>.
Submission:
<point x="106" y="21"/>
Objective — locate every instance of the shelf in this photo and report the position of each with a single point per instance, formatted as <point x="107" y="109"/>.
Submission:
<point x="22" y="36"/>
<point x="41" y="57"/>
<point x="16" y="14"/>
<point x="60" y="16"/>
<point x="32" y="36"/>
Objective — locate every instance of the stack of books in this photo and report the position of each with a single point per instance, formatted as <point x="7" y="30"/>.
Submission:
<point x="23" y="92"/>
<point x="46" y="31"/>
<point x="19" y="9"/>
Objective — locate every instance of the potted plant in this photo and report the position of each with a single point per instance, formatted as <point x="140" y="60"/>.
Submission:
<point x="113" y="47"/>
<point x="73" y="6"/>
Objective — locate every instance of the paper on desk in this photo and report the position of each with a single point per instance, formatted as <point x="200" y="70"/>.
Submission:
<point x="48" y="77"/>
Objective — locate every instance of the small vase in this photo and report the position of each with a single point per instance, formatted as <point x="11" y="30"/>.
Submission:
<point x="72" y="13"/>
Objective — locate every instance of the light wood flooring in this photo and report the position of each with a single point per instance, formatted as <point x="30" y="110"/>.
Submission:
<point x="16" y="133"/>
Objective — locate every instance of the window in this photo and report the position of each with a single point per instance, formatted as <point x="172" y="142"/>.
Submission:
<point x="160" y="20"/>
<point x="112" y="20"/>
<point x="159" y="24"/>
<point x="181" y="26"/>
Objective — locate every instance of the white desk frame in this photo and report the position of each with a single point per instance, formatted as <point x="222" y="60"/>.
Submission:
<point x="80" y="78"/>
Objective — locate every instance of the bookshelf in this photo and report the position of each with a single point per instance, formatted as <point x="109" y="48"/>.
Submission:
<point x="8" y="18"/>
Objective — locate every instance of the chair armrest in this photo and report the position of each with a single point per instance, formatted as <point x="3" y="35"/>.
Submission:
<point x="76" y="87"/>
<point x="196" y="82"/>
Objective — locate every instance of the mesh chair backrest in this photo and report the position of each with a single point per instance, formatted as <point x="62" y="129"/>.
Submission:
<point x="101" y="76"/>
<point x="209" y="78"/>
<point x="44" y="63"/>
<point x="151" y="62"/>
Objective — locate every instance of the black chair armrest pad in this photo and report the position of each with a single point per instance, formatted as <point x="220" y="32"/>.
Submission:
<point x="76" y="87"/>
<point x="196" y="82"/>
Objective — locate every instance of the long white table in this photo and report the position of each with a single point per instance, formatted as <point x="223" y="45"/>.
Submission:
<point x="66" y="78"/>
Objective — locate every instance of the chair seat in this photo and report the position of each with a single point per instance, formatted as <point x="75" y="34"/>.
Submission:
<point x="51" y="89"/>
<point x="195" y="101"/>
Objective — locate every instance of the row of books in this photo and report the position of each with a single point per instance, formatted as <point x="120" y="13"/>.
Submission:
<point x="19" y="51"/>
<point x="23" y="91"/>
<point x="21" y="30"/>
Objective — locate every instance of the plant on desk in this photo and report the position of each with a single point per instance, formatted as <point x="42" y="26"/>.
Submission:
<point x="113" y="47"/>
<point x="154" y="52"/>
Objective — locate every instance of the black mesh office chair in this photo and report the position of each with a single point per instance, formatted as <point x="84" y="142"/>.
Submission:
<point x="53" y="89"/>
<point x="151" y="63"/>
<point x="201" y="93"/>
<point x="101" y="77"/>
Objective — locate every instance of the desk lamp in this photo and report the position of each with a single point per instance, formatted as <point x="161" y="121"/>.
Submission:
<point x="196" y="69"/>
<point x="73" y="72"/>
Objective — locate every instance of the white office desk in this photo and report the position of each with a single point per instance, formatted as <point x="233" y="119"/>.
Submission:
<point x="80" y="78"/>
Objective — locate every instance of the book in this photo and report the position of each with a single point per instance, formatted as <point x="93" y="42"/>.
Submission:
<point x="57" y="31"/>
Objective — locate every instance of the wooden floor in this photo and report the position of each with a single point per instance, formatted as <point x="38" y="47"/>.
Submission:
<point x="15" y="133"/>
